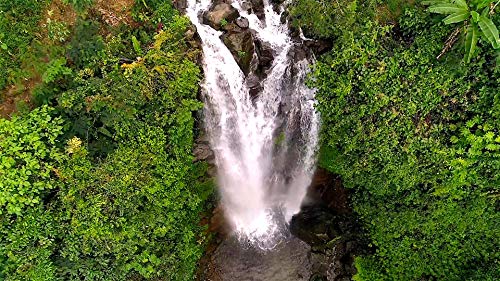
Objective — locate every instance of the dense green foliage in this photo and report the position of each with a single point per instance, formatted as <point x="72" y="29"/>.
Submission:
<point x="98" y="183"/>
<point x="418" y="141"/>
<point x="476" y="17"/>
<point x="19" y="25"/>
<point x="27" y="159"/>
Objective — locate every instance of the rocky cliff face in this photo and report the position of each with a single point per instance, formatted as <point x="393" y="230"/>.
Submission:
<point x="327" y="223"/>
<point x="253" y="56"/>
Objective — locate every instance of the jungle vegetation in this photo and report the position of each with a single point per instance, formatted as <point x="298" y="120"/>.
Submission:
<point x="97" y="180"/>
<point x="410" y="105"/>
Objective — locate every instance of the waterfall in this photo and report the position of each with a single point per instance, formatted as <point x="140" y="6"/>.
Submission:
<point x="264" y="145"/>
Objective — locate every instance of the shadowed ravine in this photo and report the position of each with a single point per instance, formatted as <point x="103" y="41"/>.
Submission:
<point x="259" y="115"/>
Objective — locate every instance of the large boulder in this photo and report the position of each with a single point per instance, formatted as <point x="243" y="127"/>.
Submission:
<point x="247" y="6"/>
<point x="232" y="28"/>
<point x="335" y="240"/>
<point x="241" y="45"/>
<point x="326" y="189"/>
<point x="298" y="53"/>
<point x="327" y="223"/>
<point x="220" y="15"/>
<point x="265" y="54"/>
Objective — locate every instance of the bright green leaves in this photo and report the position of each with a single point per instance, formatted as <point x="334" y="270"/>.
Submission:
<point x="457" y="17"/>
<point x="471" y="39"/>
<point x="461" y="3"/>
<point x="490" y="31"/>
<point x="122" y="200"/>
<point x="475" y="16"/>
<point x="325" y="18"/>
<point x="20" y="30"/>
<point x="28" y="159"/>
<point x="28" y="244"/>
<point x="459" y="11"/>
<point x="137" y="45"/>
<point x="447" y="8"/>
<point x="56" y="69"/>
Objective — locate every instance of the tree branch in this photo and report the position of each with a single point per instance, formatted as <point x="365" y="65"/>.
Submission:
<point x="449" y="42"/>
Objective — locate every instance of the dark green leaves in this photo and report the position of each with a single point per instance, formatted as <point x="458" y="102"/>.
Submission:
<point x="114" y="195"/>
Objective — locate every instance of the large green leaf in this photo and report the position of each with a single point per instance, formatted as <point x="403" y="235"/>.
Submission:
<point x="456" y="17"/>
<point x="461" y="3"/>
<point x="490" y="31"/>
<point x="446" y="8"/>
<point x="471" y="39"/>
<point x="485" y="12"/>
<point x="483" y="3"/>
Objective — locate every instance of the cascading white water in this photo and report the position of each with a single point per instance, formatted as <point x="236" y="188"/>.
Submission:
<point x="264" y="147"/>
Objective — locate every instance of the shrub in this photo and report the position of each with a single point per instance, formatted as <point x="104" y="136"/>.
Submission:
<point x="28" y="159"/>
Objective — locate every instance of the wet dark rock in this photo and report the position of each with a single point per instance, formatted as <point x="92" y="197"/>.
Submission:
<point x="326" y="189"/>
<point x="247" y="6"/>
<point x="265" y="54"/>
<point x="319" y="47"/>
<point x="242" y="22"/>
<point x="294" y="33"/>
<point x="180" y="5"/>
<point x="298" y="53"/>
<point x="327" y="223"/>
<point x="312" y="225"/>
<point x="253" y="83"/>
<point x="241" y="45"/>
<point x="220" y="13"/>
<point x="202" y="150"/>
<point x="276" y="4"/>
<point x="284" y="16"/>
<point x="193" y="39"/>
<point x="232" y="27"/>
<point x="335" y="240"/>
<point x="258" y="8"/>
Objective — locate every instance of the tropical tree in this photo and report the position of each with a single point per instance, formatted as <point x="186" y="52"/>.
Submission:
<point x="474" y="15"/>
